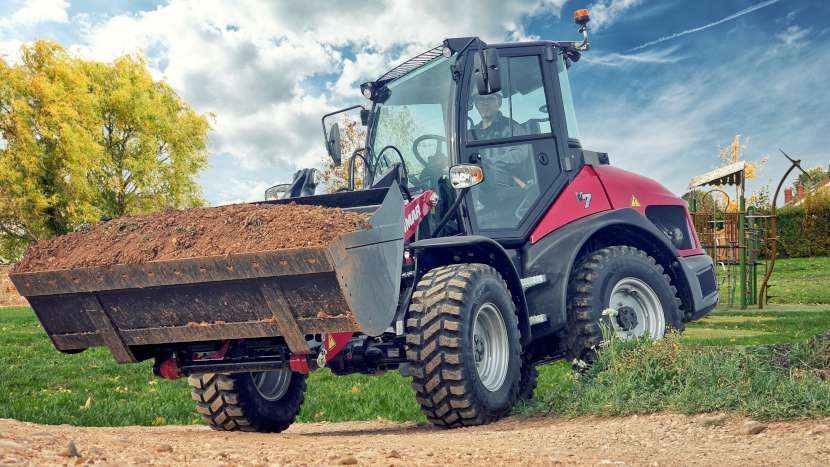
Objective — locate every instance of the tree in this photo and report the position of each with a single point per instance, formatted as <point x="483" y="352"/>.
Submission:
<point x="817" y="176"/>
<point x="735" y="152"/>
<point x="153" y="141"/>
<point x="81" y="139"/>
<point x="398" y="127"/>
<point x="337" y="177"/>
<point x="46" y="113"/>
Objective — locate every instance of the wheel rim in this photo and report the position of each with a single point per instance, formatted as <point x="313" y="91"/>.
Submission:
<point x="637" y="310"/>
<point x="272" y="385"/>
<point x="490" y="349"/>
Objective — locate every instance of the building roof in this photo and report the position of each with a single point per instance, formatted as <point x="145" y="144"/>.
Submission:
<point x="731" y="175"/>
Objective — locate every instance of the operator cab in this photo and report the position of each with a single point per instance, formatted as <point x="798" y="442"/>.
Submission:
<point x="432" y="113"/>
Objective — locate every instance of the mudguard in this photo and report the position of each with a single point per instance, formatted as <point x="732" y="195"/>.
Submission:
<point x="434" y="252"/>
<point x="555" y="255"/>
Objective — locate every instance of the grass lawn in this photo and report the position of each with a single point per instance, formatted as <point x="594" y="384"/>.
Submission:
<point x="40" y="384"/>
<point x="801" y="280"/>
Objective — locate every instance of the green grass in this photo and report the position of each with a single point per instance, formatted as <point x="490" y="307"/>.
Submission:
<point x="801" y="280"/>
<point x="777" y="382"/>
<point x="40" y="384"/>
<point x="775" y="324"/>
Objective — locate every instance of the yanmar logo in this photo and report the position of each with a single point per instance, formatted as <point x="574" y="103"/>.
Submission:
<point x="413" y="217"/>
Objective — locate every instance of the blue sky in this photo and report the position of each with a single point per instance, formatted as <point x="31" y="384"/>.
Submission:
<point x="269" y="70"/>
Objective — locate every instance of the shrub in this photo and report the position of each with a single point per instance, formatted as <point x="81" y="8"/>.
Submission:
<point x="804" y="230"/>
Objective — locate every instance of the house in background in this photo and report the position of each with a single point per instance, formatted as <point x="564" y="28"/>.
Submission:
<point x="801" y="193"/>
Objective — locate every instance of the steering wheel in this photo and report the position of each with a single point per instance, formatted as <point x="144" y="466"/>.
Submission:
<point x="381" y="154"/>
<point x="438" y="140"/>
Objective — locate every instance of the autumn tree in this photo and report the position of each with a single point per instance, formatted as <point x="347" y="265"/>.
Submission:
<point x="336" y="177"/>
<point x="735" y="152"/>
<point x="815" y="177"/>
<point x="153" y="142"/>
<point x="81" y="139"/>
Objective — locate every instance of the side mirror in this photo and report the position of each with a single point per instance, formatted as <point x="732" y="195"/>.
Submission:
<point x="465" y="175"/>
<point x="333" y="144"/>
<point x="487" y="72"/>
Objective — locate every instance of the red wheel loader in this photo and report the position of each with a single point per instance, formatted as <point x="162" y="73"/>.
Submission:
<point x="497" y="243"/>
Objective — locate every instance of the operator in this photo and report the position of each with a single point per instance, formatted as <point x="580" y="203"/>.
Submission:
<point x="507" y="168"/>
<point x="493" y="124"/>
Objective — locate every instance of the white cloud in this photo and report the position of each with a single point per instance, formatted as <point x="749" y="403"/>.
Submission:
<point x="9" y="50"/>
<point x="662" y="56"/>
<point x="38" y="11"/>
<point x="793" y="36"/>
<point x="745" y="11"/>
<point x="606" y="12"/>
<point x="270" y="70"/>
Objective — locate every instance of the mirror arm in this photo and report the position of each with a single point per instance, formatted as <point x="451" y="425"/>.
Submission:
<point x="356" y="153"/>
<point x="452" y="209"/>
<point x="323" y="120"/>
<point x="585" y="44"/>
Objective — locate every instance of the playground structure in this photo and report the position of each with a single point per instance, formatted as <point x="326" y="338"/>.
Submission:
<point x="735" y="239"/>
<point x="741" y="241"/>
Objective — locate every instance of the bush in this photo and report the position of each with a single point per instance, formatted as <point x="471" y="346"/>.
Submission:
<point x="783" y="381"/>
<point x="804" y="230"/>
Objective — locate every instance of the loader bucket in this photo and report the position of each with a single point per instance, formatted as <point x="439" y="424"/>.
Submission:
<point x="351" y="284"/>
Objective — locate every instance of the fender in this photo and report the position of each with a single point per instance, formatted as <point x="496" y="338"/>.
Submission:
<point x="555" y="256"/>
<point x="433" y="252"/>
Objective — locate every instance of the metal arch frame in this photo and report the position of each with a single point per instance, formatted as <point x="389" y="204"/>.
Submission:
<point x="794" y="163"/>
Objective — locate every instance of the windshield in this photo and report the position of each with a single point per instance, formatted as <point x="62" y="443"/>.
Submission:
<point x="414" y="121"/>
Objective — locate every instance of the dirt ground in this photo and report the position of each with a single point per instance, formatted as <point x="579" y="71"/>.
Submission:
<point x="173" y="234"/>
<point x="661" y="439"/>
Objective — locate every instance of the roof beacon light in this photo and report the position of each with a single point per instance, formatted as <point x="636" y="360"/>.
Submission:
<point x="581" y="18"/>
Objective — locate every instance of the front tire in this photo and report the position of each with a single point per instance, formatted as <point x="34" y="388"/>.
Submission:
<point x="463" y="345"/>
<point x="267" y="401"/>
<point x="627" y="290"/>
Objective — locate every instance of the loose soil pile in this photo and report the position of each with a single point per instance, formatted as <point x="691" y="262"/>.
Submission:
<point x="173" y="234"/>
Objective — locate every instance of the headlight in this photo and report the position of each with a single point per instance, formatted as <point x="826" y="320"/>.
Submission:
<point x="465" y="176"/>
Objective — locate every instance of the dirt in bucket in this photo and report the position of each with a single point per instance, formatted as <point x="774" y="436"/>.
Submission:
<point x="175" y="234"/>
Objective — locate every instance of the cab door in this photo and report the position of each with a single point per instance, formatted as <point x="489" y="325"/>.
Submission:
<point x="516" y="135"/>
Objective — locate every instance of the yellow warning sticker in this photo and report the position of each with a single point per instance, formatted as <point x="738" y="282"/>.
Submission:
<point x="330" y="343"/>
<point x="635" y="203"/>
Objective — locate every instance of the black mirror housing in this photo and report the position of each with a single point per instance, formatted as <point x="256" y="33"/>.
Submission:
<point x="364" y="117"/>
<point x="486" y="71"/>
<point x="333" y="144"/>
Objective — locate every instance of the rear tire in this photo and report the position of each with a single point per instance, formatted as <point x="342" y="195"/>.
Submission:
<point x="608" y="275"/>
<point x="463" y="346"/>
<point x="263" y="401"/>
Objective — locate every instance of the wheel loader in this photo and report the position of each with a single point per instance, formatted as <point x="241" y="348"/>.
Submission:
<point x="496" y="243"/>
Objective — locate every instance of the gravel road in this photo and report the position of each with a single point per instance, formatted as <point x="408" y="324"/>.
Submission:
<point x="661" y="439"/>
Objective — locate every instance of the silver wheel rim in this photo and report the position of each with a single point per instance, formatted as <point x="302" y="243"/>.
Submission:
<point x="633" y="294"/>
<point x="490" y="348"/>
<point x="272" y="385"/>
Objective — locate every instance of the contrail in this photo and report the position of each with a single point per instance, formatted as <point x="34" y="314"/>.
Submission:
<point x="745" y="11"/>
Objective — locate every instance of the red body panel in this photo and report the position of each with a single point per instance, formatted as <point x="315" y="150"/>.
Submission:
<point x="583" y="197"/>
<point x="629" y="190"/>
<point x="610" y="188"/>
<point x="417" y="210"/>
